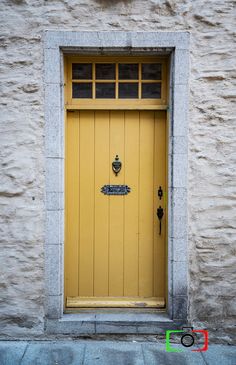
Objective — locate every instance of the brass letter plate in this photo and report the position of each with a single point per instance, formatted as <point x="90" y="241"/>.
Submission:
<point x="115" y="189"/>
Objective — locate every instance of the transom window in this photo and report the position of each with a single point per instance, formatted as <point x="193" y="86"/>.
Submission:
<point x="105" y="80"/>
<point x="116" y="80"/>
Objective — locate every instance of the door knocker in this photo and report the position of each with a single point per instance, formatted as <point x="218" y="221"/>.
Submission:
<point x="116" y="165"/>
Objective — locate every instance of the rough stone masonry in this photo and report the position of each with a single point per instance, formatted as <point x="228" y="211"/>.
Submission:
<point x="212" y="152"/>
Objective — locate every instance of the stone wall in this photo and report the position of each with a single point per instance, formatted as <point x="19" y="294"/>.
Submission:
<point x="212" y="159"/>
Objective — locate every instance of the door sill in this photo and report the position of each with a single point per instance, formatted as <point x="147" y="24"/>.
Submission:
<point x="113" y="321"/>
<point x="114" y="302"/>
<point x="123" y="312"/>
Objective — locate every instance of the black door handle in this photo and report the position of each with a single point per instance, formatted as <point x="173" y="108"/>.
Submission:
<point x="160" y="213"/>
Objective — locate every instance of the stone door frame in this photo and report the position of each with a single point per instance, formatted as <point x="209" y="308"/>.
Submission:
<point x="56" y="44"/>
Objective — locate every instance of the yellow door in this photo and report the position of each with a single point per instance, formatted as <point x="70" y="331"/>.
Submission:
<point x="114" y="249"/>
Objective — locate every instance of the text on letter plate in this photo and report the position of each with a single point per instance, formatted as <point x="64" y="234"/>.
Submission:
<point x="115" y="189"/>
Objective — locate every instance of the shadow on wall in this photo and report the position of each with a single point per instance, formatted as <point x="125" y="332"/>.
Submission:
<point x="166" y="7"/>
<point x="109" y="3"/>
<point x="19" y="2"/>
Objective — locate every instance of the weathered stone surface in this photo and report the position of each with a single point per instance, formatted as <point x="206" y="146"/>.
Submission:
<point x="54" y="353"/>
<point x="12" y="352"/>
<point x="212" y="159"/>
<point x="132" y="350"/>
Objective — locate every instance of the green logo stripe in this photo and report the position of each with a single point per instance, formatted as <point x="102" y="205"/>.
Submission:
<point x="168" y="346"/>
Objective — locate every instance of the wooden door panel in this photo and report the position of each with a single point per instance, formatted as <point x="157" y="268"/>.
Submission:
<point x="160" y="173"/>
<point x="131" y="204"/>
<point x="146" y="204"/>
<point x="113" y="248"/>
<point x="116" y="204"/>
<point x="86" y="197"/>
<point x="101" y="204"/>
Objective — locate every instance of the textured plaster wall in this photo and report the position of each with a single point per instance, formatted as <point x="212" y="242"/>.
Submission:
<point x="212" y="152"/>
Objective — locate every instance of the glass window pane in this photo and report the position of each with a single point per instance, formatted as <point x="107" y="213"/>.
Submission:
<point x="82" y="71"/>
<point x="128" y="71"/>
<point x="128" y="90"/>
<point x="151" y="71"/>
<point x="105" y="90"/>
<point x="82" y="90"/>
<point x="105" y="71"/>
<point x="151" y="90"/>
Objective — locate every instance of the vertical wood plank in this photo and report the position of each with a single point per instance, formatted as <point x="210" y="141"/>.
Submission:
<point x="86" y="274"/>
<point x="131" y="166"/>
<point x="101" y="207"/>
<point x="72" y="204"/>
<point x="116" y="237"/>
<point x="159" y="180"/>
<point x="146" y="204"/>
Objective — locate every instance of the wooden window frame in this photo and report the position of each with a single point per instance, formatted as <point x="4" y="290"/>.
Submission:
<point x="115" y="103"/>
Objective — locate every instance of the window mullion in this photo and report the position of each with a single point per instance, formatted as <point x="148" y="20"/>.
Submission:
<point x="117" y="84"/>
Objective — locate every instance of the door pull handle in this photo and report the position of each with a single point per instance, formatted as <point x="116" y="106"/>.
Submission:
<point x="160" y="213"/>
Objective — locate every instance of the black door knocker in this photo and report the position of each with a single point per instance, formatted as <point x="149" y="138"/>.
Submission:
<point x="160" y="213"/>
<point x="116" y="165"/>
